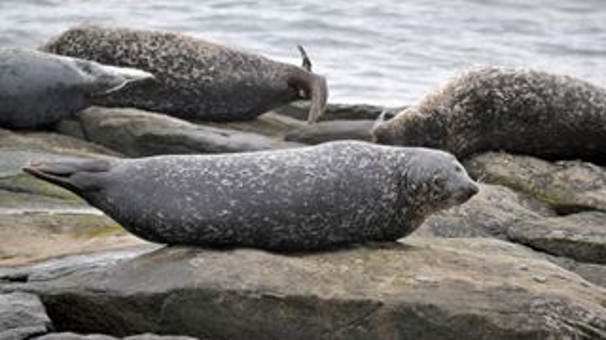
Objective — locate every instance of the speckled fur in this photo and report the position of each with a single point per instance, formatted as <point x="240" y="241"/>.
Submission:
<point x="516" y="110"/>
<point x="297" y="199"/>
<point x="196" y="79"/>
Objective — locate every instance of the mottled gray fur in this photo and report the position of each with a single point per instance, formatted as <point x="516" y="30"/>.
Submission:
<point x="196" y="79"/>
<point x="38" y="89"/>
<point x="516" y="110"/>
<point x="297" y="199"/>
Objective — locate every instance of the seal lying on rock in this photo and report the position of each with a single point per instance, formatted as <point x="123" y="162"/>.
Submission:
<point x="38" y="89"/>
<point x="519" y="111"/>
<point x="297" y="199"/>
<point x="197" y="80"/>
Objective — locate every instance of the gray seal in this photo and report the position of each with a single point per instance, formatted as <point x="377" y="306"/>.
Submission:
<point x="307" y="198"/>
<point x="197" y="79"/>
<point x="38" y="89"/>
<point x="516" y="110"/>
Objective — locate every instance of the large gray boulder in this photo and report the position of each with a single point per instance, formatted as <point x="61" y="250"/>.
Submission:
<point x="567" y="186"/>
<point x="139" y="133"/>
<point x="22" y="316"/>
<point x="433" y="288"/>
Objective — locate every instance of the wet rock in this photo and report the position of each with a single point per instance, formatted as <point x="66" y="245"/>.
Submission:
<point x="299" y="110"/>
<point x="28" y="237"/>
<point x="567" y="186"/>
<point x="426" y="288"/>
<point x="22" y="316"/>
<point x="490" y="213"/>
<point x="332" y="130"/>
<point x="139" y="133"/>
<point x="581" y="236"/>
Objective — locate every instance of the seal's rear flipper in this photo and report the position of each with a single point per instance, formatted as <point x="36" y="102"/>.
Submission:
<point x="314" y="88"/>
<point x="306" y="61"/>
<point x="73" y="174"/>
<point x="103" y="79"/>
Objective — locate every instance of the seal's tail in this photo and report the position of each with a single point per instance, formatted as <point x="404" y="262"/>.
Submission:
<point x="73" y="174"/>
<point x="313" y="87"/>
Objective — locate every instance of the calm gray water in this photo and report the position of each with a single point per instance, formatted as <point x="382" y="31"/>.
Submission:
<point x="384" y="52"/>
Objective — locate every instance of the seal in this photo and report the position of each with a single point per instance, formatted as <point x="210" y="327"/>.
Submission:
<point x="307" y="198"/>
<point x="197" y="79"/>
<point x="516" y="110"/>
<point x="37" y="89"/>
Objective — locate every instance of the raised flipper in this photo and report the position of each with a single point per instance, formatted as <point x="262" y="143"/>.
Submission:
<point x="77" y="175"/>
<point x="103" y="79"/>
<point x="306" y="61"/>
<point x="310" y="86"/>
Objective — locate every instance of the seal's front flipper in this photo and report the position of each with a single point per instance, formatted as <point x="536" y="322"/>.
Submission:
<point x="77" y="175"/>
<point x="104" y="79"/>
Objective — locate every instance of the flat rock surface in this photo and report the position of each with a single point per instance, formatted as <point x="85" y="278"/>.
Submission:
<point x="425" y="288"/>
<point x="35" y="236"/>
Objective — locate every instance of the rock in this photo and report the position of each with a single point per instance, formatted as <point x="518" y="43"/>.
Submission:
<point x="74" y="336"/>
<point x="50" y="142"/>
<point x="426" y="288"/>
<point x="332" y="130"/>
<point x="498" y="212"/>
<point x="138" y="133"/>
<point x="490" y="213"/>
<point x="269" y="124"/>
<point x="15" y="278"/>
<point x="567" y="186"/>
<point x="22" y="316"/>
<point x="581" y="236"/>
<point x="29" y="237"/>
<point x="593" y="273"/>
<point x="298" y="110"/>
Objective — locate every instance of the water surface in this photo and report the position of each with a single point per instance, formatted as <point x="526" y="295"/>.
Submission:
<point x="384" y="52"/>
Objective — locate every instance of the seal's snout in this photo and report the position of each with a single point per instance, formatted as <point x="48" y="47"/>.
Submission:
<point x="467" y="192"/>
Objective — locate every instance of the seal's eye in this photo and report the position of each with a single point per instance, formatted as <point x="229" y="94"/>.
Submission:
<point x="458" y="169"/>
<point x="438" y="179"/>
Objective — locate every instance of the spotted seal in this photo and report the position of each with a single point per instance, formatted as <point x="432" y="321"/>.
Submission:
<point x="306" y="198"/>
<point x="516" y="110"/>
<point x="37" y="89"/>
<point x="197" y="79"/>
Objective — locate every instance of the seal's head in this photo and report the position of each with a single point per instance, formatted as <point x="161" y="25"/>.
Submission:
<point x="436" y="181"/>
<point x="410" y="127"/>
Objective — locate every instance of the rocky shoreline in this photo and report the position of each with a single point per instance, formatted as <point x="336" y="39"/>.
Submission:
<point x="524" y="259"/>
